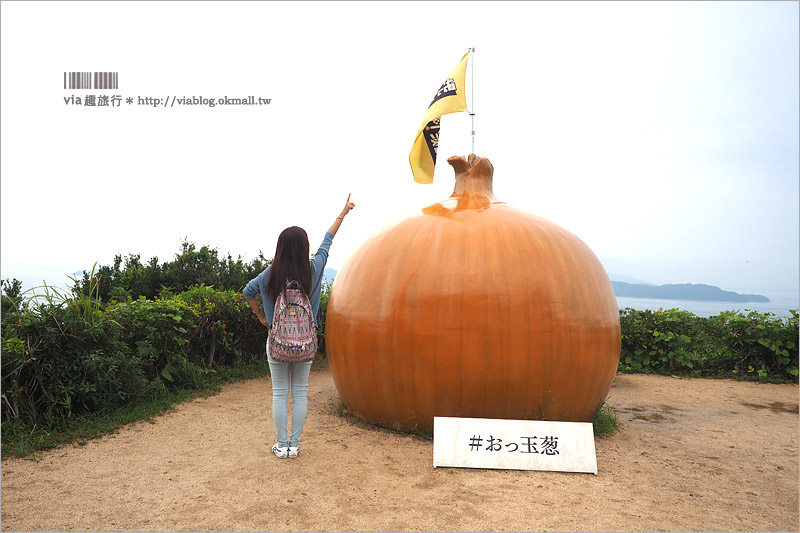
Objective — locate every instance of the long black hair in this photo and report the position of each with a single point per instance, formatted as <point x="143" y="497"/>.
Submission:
<point x="291" y="262"/>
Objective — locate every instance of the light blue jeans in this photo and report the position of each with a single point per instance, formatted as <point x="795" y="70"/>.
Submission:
<point x="284" y="376"/>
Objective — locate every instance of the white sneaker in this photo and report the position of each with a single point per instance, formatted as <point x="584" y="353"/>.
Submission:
<point x="280" y="452"/>
<point x="293" y="451"/>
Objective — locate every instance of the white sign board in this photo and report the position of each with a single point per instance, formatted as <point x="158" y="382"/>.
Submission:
<point x="514" y="444"/>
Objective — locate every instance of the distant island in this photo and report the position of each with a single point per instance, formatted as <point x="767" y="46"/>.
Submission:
<point x="683" y="291"/>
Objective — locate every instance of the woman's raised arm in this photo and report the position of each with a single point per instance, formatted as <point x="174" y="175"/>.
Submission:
<point x="338" y="222"/>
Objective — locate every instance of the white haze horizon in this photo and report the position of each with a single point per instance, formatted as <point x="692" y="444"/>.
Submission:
<point x="62" y="280"/>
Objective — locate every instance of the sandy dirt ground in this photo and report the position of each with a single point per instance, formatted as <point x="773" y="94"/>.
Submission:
<point x="693" y="455"/>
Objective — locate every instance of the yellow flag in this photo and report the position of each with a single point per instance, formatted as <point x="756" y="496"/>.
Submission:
<point x="450" y="98"/>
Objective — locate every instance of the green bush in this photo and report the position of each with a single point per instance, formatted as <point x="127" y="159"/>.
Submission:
<point x="757" y="345"/>
<point x="11" y="299"/>
<point x="321" y="316"/>
<point x="65" y="357"/>
<point x="60" y="359"/>
<point x="157" y="332"/>
<point x="656" y="340"/>
<point x="130" y="279"/>
<point x="227" y="332"/>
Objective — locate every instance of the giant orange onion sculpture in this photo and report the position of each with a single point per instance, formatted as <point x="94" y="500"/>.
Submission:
<point x="472" y="308"/>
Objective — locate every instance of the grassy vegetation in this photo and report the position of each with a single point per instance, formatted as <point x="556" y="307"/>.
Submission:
<point x="605" y="421"/>
<point x="22" y="440"/>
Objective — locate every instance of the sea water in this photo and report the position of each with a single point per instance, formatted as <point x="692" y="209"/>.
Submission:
<point x="781" y="302"/>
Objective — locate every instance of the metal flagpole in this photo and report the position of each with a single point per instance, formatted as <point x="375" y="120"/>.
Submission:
<point x="472" y="111"/>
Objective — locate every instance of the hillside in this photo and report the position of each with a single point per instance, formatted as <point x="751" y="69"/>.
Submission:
<point x="683" y="291"/>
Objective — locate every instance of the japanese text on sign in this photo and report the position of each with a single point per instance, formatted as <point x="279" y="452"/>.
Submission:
<point x="547" y="445"/>
<point x="514" y="444"/>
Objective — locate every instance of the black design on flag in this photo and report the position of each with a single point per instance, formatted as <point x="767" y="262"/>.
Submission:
<point x="448" y="88"/>
<point x="431" y="134"/>
<point x="422" y="156"/>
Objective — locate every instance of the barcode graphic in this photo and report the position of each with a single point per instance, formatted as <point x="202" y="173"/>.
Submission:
<point x="91" y="80"/>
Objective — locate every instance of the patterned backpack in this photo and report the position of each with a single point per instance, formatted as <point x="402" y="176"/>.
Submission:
<point x="293" y="336"/>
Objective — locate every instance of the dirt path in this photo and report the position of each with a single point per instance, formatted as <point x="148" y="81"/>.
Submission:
<point x="694" y="455"/>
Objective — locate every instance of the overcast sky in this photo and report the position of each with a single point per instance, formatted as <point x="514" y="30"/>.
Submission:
<point x="663" y="134"/>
